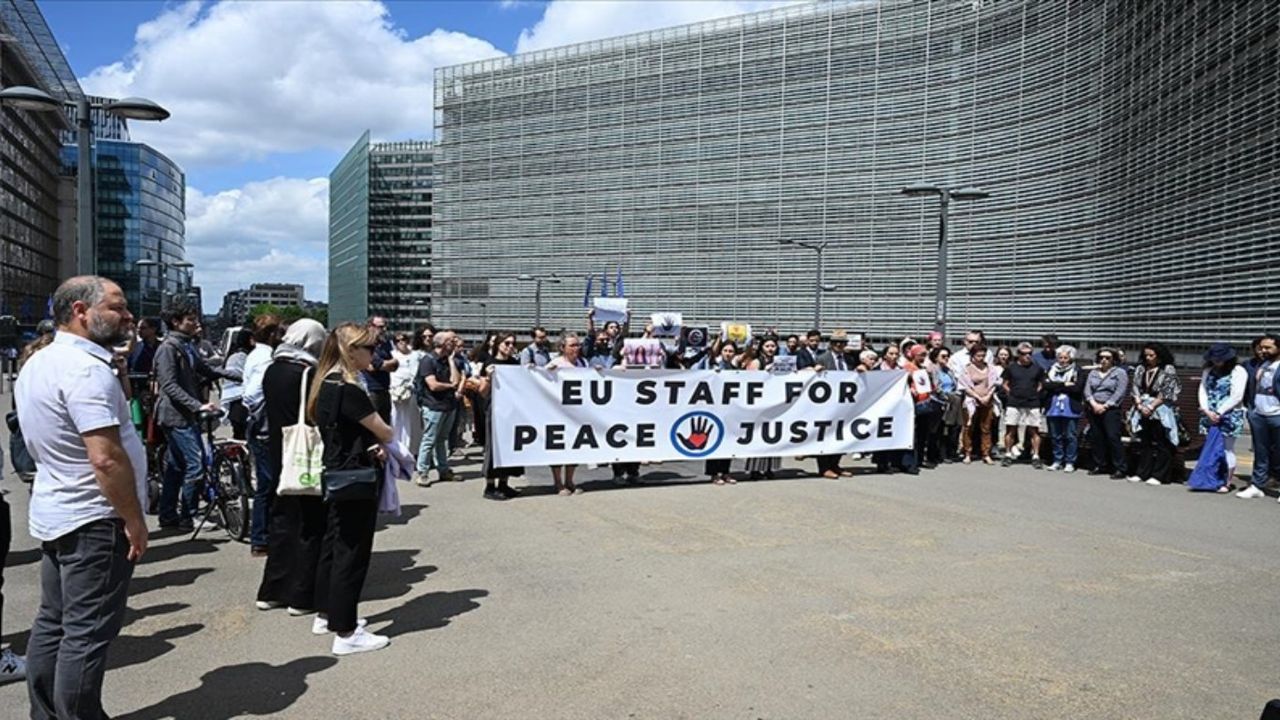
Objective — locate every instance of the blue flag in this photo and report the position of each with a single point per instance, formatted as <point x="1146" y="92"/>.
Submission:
<point x="604" y="285"/>
<point x="586" y="297"/>
<point x="618" y="287"/>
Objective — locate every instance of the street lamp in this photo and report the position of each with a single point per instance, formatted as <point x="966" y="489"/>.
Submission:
<point x="945" y="196"/>
<point x="820" y="286"/>
<point x="164" y="267"/>
<point x="537" y="293"/>
<point x="484" y="311"/>
<point x="133" y="108"/>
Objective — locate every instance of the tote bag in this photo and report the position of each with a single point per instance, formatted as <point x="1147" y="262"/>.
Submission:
<point x="302" y="452"/>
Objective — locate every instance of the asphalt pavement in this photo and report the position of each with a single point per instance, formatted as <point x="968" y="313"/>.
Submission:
<point x="964" y="592"/>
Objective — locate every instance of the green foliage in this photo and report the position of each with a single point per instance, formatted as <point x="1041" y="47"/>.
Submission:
<point x="289" y="314"/>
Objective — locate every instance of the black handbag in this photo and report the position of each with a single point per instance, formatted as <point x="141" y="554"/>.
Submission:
<point x="354" y="484"/>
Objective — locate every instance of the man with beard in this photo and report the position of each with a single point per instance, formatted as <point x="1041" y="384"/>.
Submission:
<point x="179" y="368"/>
<point x="85" y="508"/>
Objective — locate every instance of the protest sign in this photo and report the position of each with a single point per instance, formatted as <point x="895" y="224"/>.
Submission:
<point x="572" y="415"/>
<point x="696" y="337"/>
<point x="783" y="364"/>
<point x="644" y="352"/>
<point x="737" y="333"/>
<point x="610" y="310"/>
<point x="666" y="325"/>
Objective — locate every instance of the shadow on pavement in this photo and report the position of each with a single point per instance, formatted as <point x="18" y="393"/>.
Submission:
<point x="169" y="578"/>
<point x="133" y="615"/>
<point x="22" y="557"/>
<point x="407" y="512"/>
<point x="129" y="650"/>
<point x="249" y="689"/>
<point x="393" y="573"/>
<point x="427" y="612"/>
<point x="181" y="548"/>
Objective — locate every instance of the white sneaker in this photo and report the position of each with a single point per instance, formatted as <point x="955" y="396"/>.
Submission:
<point x="360" y="641"/>
<point x="1054" y="467"/>
<point x="320" y="626"/>
<point x="1069" y="468"/>
<point x="299" y="612"/>
<point x="267" y="604"/>
<point x="1153" y="481"/>
<point x="1250" y="492"/>
<point x="12" y="667"/>
<point x="1134" y="478"/>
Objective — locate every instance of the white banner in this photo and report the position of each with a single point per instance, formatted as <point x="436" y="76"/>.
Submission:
<point x="575" y="415"/>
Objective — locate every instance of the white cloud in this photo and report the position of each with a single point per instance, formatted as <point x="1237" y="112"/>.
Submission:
<point x="567" y="21"/>
<point x="276" y="230"/>
<point x="247" y="79"/>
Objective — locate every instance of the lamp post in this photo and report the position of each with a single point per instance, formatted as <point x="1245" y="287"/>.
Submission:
<point x="133" y="108"/>
<point x="945" y="196"/>
<point x="820" y="286"/>
<point x="537" y="292"/>
<point x="164" y="267"/>
<point x="484" y="313"/>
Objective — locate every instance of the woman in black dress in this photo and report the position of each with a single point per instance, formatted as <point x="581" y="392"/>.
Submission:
<point x="497" y="479"/>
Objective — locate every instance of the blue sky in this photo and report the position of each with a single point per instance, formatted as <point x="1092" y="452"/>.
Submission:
<point x="267" y="95"/>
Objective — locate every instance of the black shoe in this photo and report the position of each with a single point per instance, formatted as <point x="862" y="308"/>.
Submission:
<point x="929" y="466"/>
<point x="633" y="479"/>
<point x="1096" y="471"/>
<point x="1006" y="462"/>
<point x="1118" y="476"/>
<point x="619" y="480"/>
<point x="768" y="475"/>
<point x="493" y="494"/>
<point x="1037" y="464"/>
<point x="508" y="492"/>
<point x="183" y="524"/>
<point x="911" y="471"/>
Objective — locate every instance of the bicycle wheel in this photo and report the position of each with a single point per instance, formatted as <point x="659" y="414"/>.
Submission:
<point x="155" y="479"/>
<point x="233" y="498"/>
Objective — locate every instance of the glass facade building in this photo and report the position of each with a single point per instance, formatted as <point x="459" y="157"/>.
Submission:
<point x="140" y="196"/>
<point x="1129" y="152"/>
<point x="380" y="233"/>
<point x="29" y="162"/>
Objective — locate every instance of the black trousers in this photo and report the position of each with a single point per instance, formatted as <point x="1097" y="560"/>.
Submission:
<point x="1104" y="436"/>
<point x="382" y="404"/>
<point x="6" y="539"/>
<point x="344" y="561"/>
<point x="1153" y="454"/>
<point x="829" y="462"/>
<point x="295" y="538"/>
<point x="480" y="416"/>
<point x="718" y="467"/>
<point x="926" y="437"/>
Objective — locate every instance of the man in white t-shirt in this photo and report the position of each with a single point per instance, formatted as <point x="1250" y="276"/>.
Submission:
<point x="85" y="508"/>
<point x="1264" y="415"/>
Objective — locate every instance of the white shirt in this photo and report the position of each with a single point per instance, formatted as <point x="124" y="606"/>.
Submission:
<point x="1235" y="395"/>
<point x="255" y="367"/>
<point x="959" y="360"/>
<point x="65" y="390"/>
<point x="1264" y="401"/>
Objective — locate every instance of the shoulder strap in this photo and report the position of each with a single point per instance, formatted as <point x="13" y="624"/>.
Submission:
<point x="302" y="396"/>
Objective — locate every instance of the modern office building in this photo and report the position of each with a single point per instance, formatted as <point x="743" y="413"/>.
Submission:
<point x="380" y="233"/>
<point x="140" y="197"/>
<point x="237" y="304"/>
<point x="29" y="163"/>
<point x="1130" y="156"/>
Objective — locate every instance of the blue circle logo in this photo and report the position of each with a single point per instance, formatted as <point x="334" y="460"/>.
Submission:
<point x="697" y="434"/>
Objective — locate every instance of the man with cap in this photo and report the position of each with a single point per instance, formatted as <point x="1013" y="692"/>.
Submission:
<point x="836" y="359"/>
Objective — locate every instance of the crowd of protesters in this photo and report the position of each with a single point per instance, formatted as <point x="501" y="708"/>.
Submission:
<point x="379" y="399"/>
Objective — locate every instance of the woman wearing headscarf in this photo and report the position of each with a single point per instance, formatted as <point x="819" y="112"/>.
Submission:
<point x="1064" y="390"/>
<point x="296" y="525"/>
<point x="406" y="418"/>
<point x="1222" y="389"/>
<point x="1153" y="422"/>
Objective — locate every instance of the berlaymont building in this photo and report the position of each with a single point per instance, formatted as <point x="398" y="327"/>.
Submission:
<point x="1128" y="150"/>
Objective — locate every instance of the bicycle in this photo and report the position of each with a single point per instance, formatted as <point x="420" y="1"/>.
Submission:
<point x="224" y="484"/>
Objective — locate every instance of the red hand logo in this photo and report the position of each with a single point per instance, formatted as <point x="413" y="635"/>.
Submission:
<point x="699" y="434"/>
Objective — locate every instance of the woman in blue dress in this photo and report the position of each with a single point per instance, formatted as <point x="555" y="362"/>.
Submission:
<point x="1222" y="388"/>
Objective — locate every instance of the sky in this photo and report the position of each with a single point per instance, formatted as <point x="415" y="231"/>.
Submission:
<point x="267" y="95"/>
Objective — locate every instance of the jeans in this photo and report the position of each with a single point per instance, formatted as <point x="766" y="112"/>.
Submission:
<point x="264" y="492"/>
<point x="6" y="537"/>
<point x="84" y="583"/>
<point x="182" y="471"/>
<point x="1065" y="438"/>
<point x="434" y="451"/>
<point x="1266" y="446"/>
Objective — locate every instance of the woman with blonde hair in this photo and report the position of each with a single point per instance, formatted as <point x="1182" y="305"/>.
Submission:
<point x="352" y="432"/>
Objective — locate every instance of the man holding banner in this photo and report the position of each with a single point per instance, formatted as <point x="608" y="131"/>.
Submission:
<point x="837" y="360"/>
